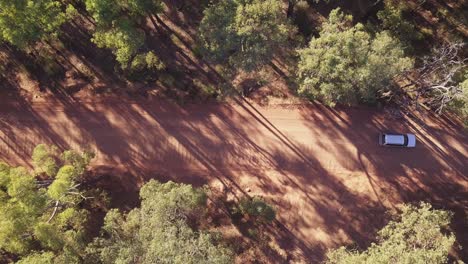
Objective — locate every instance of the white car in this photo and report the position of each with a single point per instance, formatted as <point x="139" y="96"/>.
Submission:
<point x="397" y="140"/>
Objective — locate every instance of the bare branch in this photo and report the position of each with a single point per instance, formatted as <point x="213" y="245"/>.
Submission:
<point x="436" y="78"/>
<point x="57" y="203"/>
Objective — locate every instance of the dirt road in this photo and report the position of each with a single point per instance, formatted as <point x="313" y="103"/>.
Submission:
<point x="321" y="167"/>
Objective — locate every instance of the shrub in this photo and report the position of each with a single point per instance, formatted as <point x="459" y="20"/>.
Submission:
<point x="418" y="235"/>
<point x="393" y="19"/>
<point x="257" y="207"/>
<point x="153" y="62"/>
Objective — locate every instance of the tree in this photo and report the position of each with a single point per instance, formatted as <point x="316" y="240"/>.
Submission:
<point x="418" y="235"/>
<point x="244" y="33"/>
<point x="41" y="219"/>
<point x="347" y="64"/>
<point x="43" y="258"/>
<point x="123" y="39"/>
<point x="143" y="7"/>
<point x="393" y="19"/>
<point x="160" y="230"/>
<point x="23" y="22"/>
<point x="116" y="26"/>
<point x="442" y="78"/>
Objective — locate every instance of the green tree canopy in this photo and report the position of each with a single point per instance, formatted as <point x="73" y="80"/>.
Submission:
<point x="159" y="231"/>
<point x="417" y="236"/>
<point x="348" y="65"/>
<point x="116" y="26"/>
<point x="393" y="19"/>
<point x="25" y="21"/>
<point x="244" y="33"/>
<point x="41" y="219"/>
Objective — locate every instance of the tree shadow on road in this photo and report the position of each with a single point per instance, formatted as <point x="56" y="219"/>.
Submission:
<point x="328" y="193"/>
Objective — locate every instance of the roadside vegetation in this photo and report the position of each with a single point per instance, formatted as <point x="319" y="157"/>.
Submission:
<point x="348" y="65"/>
<point x="411" y="53"/>
<point x="418" y="234"/>
<point x="49" y="215"/>
<point x="53" y="214"/>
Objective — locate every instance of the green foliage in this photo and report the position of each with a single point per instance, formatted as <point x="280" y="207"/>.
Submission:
<point x="4" y="173"/>
<point x="257" y="207"/>
<point x="123" y="39"/>
<point x="347" y="65"/>
<point x="392" y="19"/>
<point x="147" y="61"/>
<point x="104" y="12"/>
<point x="44" y="160"/>
<point x="24" y="22"/>
<point x="464" y="97"/>
<point x="301" y="17"/>
<point x="43" y="214"/>
<point x="78" y="160"/>
<point x="64" y="181"/>
<point x="153" y="62"/>
<point x="458" y="105"/>
<point x="36" y="258"/>
<point x="48" y="235"/>
<point x="217" y="34"/>
<point x="159" y="231"/>
<point x="19" y="206"/>
<point x="143" y="7"/>
<point x="117" y="26"/>
<point x="417" y="236"/>
<point x="244" y="33"/>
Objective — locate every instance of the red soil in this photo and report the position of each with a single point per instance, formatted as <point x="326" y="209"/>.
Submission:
<point x="321" y="167"/>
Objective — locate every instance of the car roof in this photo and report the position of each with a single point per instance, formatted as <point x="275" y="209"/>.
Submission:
<point x="394" y="139"/>
<point x="411" y="140"/>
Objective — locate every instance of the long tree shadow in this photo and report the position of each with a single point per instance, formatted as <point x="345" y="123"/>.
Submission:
<point x="324" y="172"/>
<point x="400" y="175"/>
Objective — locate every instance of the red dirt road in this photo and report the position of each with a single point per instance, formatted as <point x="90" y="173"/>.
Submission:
<point x="321" y="167"/>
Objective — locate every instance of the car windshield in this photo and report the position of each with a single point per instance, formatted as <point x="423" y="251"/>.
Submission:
<point x="406" y="140"/>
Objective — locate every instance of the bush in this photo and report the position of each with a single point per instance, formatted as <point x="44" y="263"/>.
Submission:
<point x="153" y="62"/>
<point x="393" y="19"/>
<point x="245" y="34"/>
<point x="257" y="207"/>
<point x="207" y="90"/>
<point x="138" y="63"/>
<point x="143" y="65"/>
<point x="460" y="104"/>
<point x="301" y="18"/>
<point x="418" y="235"/>
<point x="44" y="159"/>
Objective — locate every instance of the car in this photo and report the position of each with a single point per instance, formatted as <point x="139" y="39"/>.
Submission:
<point x="397" y="140"/>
